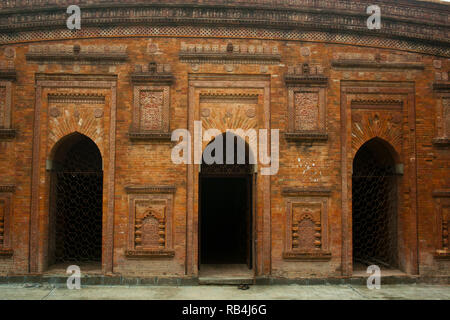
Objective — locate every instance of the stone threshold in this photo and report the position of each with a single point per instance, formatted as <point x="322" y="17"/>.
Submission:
<point x="116" y="280"/>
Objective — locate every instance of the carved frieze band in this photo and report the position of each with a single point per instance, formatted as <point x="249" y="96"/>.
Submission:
<point x="60" y="53"/>
<point x="231" y="54"/>
<point x="399" y="8"/>
<point x="151" y="102"/>
<point x="8" y="74"/>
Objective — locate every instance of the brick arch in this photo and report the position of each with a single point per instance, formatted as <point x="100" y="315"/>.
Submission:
<point x="377" y="127"/>
<point x="387" y="148"/>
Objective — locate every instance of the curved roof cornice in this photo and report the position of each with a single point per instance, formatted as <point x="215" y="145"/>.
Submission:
<point x="421" y="24"/>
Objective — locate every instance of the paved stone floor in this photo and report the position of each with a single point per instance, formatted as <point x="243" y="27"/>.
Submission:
<point x="277" y="292"/>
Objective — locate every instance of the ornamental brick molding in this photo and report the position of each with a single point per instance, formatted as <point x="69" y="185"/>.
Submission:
<point x="229" y="54"/>
<point x="306" y="224"/>
<point x="420" y="27"/>
<point x="153" y="72"/>
<point x="8" y="74"/>
<point x="76" y="86"/>
<point x="146" y="189"/>
<point x="309" y="70"/>
<point x="151" y="102"/>
<point x="442" y="92"/>
<point x="6" y="131"/>
<point x="306" y="116"/>
<point x="377" y="119"/>
<point x="379" y="66"/>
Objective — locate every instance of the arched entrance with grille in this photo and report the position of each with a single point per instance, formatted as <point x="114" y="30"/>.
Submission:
<point x="375" y="206"/>
<point x="226" y="209"/>
<point x="76" y="192"/>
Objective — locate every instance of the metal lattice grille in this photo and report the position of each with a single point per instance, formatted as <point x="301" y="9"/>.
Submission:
<point x="374" y="209"/>
<point x="78" y="204"/>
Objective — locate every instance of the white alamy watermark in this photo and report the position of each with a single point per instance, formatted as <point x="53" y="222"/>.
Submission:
<point x="74" y="21"/>
<point x="374" y="280"/>
<point x="235" y="147"/>
<point x="74" y="280"/>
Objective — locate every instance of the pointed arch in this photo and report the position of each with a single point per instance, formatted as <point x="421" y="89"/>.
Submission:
<point x="375" y="205"/>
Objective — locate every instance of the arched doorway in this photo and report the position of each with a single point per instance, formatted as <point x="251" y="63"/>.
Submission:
<point x="374" y="206"/>
<point x="226" y="209"/>
<point x="75" y="221"/>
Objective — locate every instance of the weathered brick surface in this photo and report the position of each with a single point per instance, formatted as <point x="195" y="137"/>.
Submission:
<point x="315" y="164"/>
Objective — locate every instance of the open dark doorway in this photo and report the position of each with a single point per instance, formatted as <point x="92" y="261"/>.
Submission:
<point x="225" y="220"/>
<point x="75" y="224"/>
<point x="226" y="212"/>
<point x="374" y="203"/>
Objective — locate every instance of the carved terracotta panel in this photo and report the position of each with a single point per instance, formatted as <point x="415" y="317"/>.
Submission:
<point x="74" y="111"/>
<point x="2" y="221"/>
<point x="377" y="118"/>
<point x="151" y="109"/>
<point x="446" y="116"/>
<point x="151" y="104"/>
<point x="306" y="226"/>
<point x="442" y="202"/>
<point x="150" y="222"/>
<point x="5" y="221"/>
<point x="306" y="111"/>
